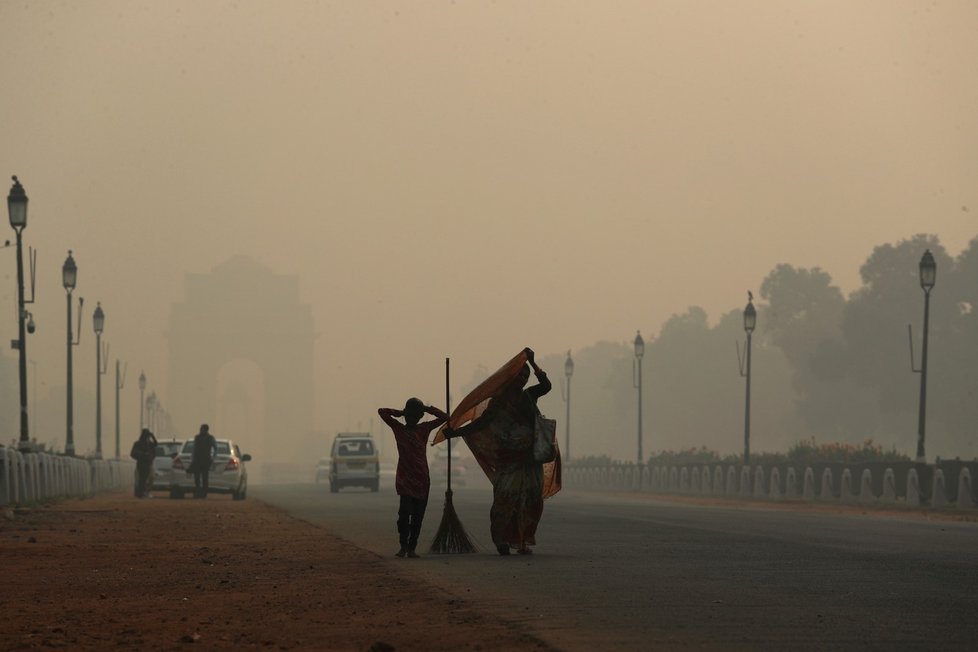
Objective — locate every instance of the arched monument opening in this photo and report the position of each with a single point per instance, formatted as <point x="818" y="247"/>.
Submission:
<point x="240" y="405"/>
<point x="241" y="360"/>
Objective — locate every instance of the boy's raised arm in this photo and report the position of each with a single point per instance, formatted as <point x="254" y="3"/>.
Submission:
<point x="389" y="416"/>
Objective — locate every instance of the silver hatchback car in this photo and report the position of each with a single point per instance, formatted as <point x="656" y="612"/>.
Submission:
<point x="228" y="474"/>
<point x="163" y="463"/>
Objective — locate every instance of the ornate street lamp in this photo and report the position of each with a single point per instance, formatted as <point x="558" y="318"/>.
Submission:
<point x="750" y="321"/>
<point x="639" y="352"/>
<point x="142" y="389"/>
<point x="928" y="277"/>
<point x="17" y="210"/>
<point x="568" y="372"/>
<point x="98" y="322"/>
<point x="69" y="277"/>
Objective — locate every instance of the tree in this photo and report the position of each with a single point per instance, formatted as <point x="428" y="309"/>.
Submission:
<point x="803" y="318"/>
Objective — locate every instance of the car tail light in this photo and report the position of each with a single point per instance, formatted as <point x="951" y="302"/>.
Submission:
<point x="232" y="465"/>
<point x="178" y="462"/>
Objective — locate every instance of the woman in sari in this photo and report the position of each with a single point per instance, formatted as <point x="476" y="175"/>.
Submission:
<point x="507" y="426"/>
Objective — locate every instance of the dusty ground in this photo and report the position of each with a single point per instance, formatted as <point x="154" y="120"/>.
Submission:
<point x="117" y="572"/>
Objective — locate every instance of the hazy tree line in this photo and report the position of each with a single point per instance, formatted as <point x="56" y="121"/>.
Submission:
<point x="827" y="366"/>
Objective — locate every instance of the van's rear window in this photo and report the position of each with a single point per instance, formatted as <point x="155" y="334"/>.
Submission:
<point x="362" y="447"/>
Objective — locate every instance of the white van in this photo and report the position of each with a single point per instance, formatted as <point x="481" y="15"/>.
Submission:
<point x="354" y="462"/>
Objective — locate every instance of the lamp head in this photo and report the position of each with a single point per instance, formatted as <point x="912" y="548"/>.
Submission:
<point x="569" y="366"/>
<point x="750" y="317"/>
<point x="98" y="319"/>
<point x="69" y="273"/>
<point x="17" y="206"/>
<point x="142" y="381"/>
<point x="639" y="345"/>
<point x="928" y="271"/>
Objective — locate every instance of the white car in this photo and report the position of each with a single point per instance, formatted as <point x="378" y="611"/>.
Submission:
<point x="228" y="474"/>
<point x="163" y="463"/>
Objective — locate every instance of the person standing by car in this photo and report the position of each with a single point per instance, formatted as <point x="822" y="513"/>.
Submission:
<point x="412" y="481"/>
<point x="205" y="448"/>
<point x="143" y="451"/>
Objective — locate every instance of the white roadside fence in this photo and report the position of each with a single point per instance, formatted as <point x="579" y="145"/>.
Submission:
<point x="945" y="483"/>
<point x="32" y="477"/>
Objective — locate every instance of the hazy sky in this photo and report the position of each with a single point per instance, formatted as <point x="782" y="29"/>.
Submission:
<point x="464" y="179"/>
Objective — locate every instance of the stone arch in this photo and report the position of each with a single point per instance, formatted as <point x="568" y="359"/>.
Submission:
<point x="241" y="310"/>
<point x="889" y="486"/>
<point x="845" y="488"/>
<point x="239" y="410"/>
<point x="965" y="496"/>
<point x="732" y="489"/>
<point x="718" y="488"/>
<point x="759" y="482"/>
<point x="913" y="488"/>
<point x="673" y="479"/>
<point x="694" y="480"/>
<point x="791" y="483"/>
<point x="808" y="484"/>
<point x="827" y="492"/>
<point x="775" y="492"/>
<point x="866" y="487"/>
<point x="938" y="494"/>
<point x="684" y="480"/>
<point x="706" y="482"/>
<point x="745" y="485"/>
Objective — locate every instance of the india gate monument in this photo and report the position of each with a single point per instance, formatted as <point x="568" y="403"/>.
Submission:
<point x="241" y="360"/>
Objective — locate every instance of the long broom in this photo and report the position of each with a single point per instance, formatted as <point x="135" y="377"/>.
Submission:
<point x="451" y="536"/>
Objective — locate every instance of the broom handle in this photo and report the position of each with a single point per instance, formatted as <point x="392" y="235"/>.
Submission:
<point x="448" y="410"/>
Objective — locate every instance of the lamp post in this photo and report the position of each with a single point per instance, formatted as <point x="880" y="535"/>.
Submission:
<point x="17" y="210"/>
<point x="928" y="277"/>
<point x="151" y="411"/>
<point x="568" y="372"/>
<point x="750" y="321"/>
<point x="120" y="382"/>
<point x="69" y="277"/>
<point x="142" y="388"/>
<point x="639" y="352"/>
<point x="98" y="322"/>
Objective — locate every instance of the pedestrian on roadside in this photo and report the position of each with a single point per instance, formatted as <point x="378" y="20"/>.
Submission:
<point x="144" y="452"/>
<point x="205" y="449"/>
<point x="412" y="481"/>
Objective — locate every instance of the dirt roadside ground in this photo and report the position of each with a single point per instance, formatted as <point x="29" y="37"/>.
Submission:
<point x="117" y="572"/>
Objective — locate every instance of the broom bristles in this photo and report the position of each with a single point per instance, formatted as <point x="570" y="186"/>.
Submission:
<point x="451" y="537"/>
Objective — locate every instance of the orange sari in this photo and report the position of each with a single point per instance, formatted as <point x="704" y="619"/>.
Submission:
<point x="503" y="447"/>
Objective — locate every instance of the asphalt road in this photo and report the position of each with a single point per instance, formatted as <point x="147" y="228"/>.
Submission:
<point x="632" y="572"/>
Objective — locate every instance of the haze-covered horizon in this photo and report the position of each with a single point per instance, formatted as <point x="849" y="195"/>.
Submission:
<point x="462" y="180"/>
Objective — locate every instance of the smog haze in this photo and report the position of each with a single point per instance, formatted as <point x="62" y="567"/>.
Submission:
<point x="462" y="180"/>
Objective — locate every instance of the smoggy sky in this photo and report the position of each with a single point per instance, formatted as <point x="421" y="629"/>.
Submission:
<point x="466" y="178"/>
